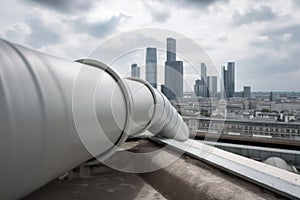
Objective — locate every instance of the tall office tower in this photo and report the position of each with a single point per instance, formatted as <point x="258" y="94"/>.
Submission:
<point x="212" y="82"/>
<point x="204" y="78"/>
<point x="199" y="87"/>
<point x="222" y="83"/>
<point x="247" y="92"/>
<point x="228" y="77"/>
<point x="138" y="72"/>
<point x="203" y="72"/>
<point x="272" y="96"/>
<point x="151" y="66"/>
<point x="135" y="71"/>
<point x="171" y="50"/>
<point x="173" y="79"/>
<point x="173" y="87"/>
<point x="231" y="78"/>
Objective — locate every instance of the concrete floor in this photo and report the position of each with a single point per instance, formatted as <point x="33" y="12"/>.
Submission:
<point x="187" y="178"/>
<point x="103" y="183"/>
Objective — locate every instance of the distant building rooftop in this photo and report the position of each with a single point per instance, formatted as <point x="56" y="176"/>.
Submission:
<point x="253" y="120"/>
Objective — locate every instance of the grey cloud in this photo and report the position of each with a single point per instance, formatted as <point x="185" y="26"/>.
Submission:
<point x="98" y="29"/>
<point x="282" y="41"/>
<point x="65" y="5"/>
<point x="269" y="72"/>
<point x="133" y="41"/>
<point x="263" y="13"/>
<point x="265" y="72"/>
<point x="261" y="66"/>
<point x="286" y="34"/>
<point x="17" y="33"/>
<point x="296" y="3"/>
<point x="160" y="16"/>
<point x="222" y="38"/>
<point x="40" y="33"/>
<point x="259" y="42"/>
<point x="159" y="13"/>
<point x="200" y="3"/>
<point x="279" y="38"/>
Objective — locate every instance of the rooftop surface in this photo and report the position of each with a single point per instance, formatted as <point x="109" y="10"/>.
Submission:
<point x="186" y="178"/>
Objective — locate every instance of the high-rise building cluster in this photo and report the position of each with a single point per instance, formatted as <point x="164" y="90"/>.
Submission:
<point x="205" y="86"/>
<point x="173" y="86"/>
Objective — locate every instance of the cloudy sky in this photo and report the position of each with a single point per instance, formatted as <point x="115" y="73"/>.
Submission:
<point x="261" y="36"/>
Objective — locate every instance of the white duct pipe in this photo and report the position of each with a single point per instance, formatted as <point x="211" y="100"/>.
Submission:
<point x="47" y="122"/>
<point x="155" y="112"/>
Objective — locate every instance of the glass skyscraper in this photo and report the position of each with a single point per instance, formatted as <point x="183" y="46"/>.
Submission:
<point x="247" y="92"/>
<point x="212" y="82"/>
<point x="199" y="87"/>
<point x="173" y="87"/>
<point x="228" y="76"/>
<point x="151" y="66"/>
<point x="171" y="50"/>
<point x="135" y="71"/>
<point x="204" y="79"/>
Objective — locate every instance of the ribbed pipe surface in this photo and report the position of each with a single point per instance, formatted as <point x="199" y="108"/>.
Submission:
<point x="56" y="114"/>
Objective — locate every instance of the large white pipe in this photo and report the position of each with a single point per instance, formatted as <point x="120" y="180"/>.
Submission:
<point x="48" y="116"/>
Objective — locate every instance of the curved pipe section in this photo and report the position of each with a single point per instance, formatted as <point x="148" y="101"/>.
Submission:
<point x="57" y="114"/>
<point x="152" y="111"/>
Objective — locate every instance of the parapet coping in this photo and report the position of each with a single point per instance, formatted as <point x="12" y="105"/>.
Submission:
<point x="275" y="179"/>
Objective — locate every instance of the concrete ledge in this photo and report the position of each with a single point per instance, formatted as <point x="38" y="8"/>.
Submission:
<point x="189" y="178"/>
<point x="273" y="178"/>
<point x="186" y="178"/>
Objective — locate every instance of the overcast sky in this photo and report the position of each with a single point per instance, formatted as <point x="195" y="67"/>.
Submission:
<point x="261" y="36"/>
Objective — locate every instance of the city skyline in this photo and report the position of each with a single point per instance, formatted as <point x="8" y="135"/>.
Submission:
<point x="215" y="81"/>
<point x="172" y="87"/>
<point x="150" y="99"/>
<point x="261" y="37"/>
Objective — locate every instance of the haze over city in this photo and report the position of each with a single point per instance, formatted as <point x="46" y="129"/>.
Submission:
<point x="261" y="37"/>
<point x="150" y="99"/>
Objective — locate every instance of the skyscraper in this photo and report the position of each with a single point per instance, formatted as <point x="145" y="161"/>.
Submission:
<point x="247" y="92"/>
<point x="204" y="79"/>
<point x="151" y="66"/>
<point x="171" y="50"/>
<point x="222" y="82"/>
<point x="203" y="72"/>
<point x="228" y="78"/>
<point x="173" y="87"/>
<point x="231" y="78"/>
<point x="212" y="82"/>
<point x="135" y="71"/>
<point x="199" y="87"/>
<point x="272" y="96"/>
